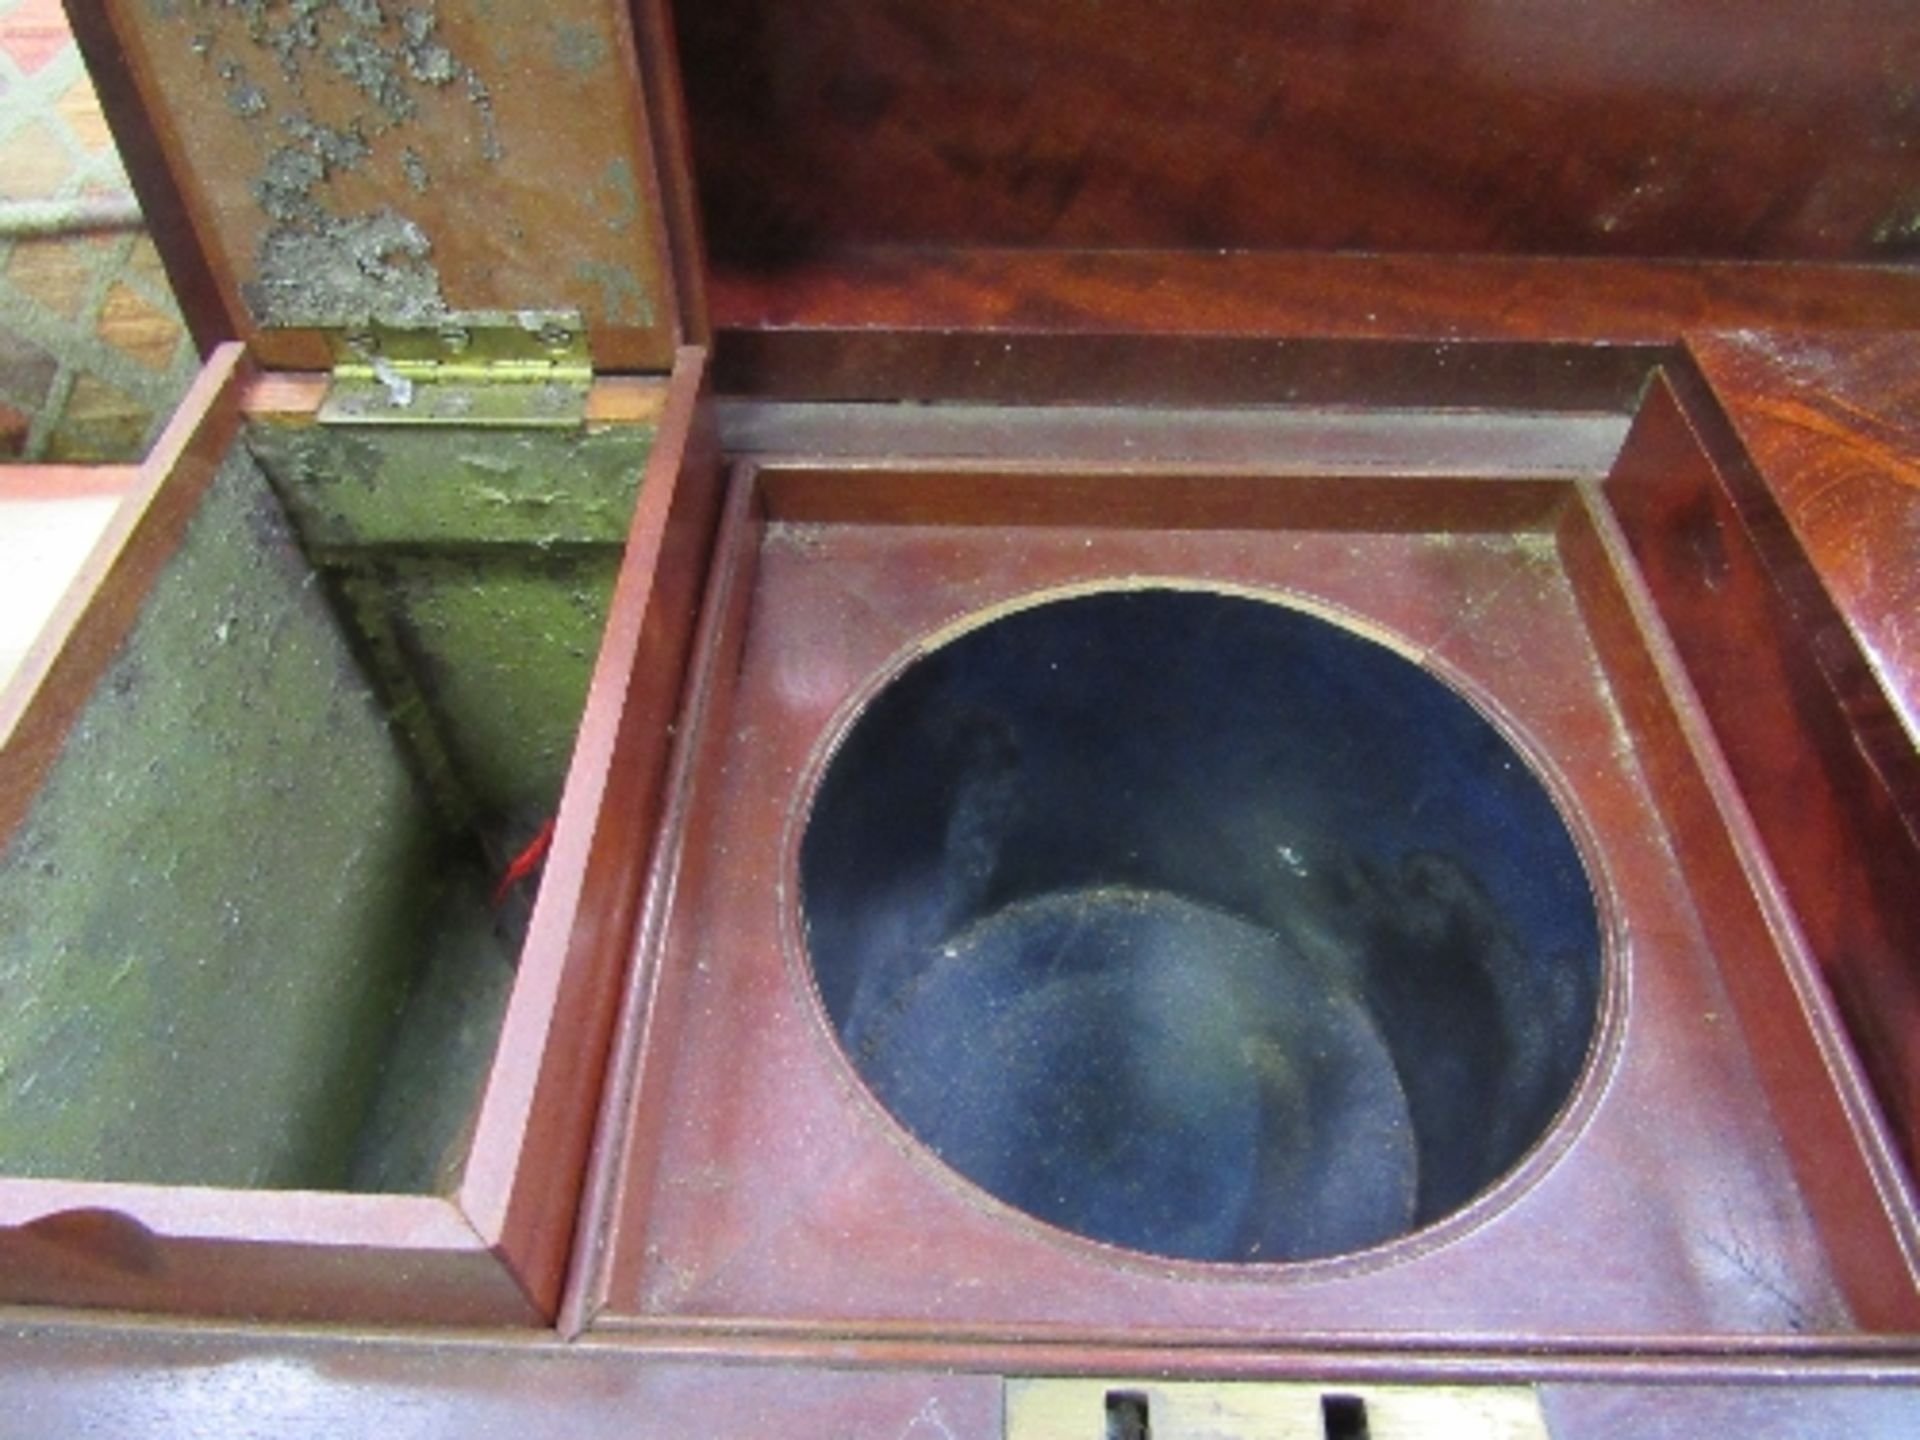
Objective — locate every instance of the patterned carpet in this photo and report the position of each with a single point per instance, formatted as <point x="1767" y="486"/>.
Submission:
<point x="93" y="354"/>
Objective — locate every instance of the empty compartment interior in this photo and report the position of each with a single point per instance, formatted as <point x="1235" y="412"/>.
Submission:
<point x="870" y="871"/>
<point x="1201" y="925"/>
<point x="251" y="938"/>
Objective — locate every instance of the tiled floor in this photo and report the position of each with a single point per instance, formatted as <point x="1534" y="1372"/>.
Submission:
<point x="93" y="353"/>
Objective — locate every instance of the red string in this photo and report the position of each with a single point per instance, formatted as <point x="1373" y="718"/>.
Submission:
<point x="524" y="864"/>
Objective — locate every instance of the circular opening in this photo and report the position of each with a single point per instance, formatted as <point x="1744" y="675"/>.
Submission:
<point x="1199" y="925"/>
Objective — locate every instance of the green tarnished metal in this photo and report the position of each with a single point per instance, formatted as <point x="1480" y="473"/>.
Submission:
<point x="411" y="1142"/>
<point x="210" y="919"/>
<point x="475" y="569"/>
<point x="354" y="487"/>
<point x="241" y="943"/>
<point x="498" y="646"/>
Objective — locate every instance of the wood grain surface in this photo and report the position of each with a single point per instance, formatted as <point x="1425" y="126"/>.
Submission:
<point x="1780" y="656"/>
<point x="1774" y="130"/>
<point x="1833" y="423"/>
<point x="1171" y="328"/>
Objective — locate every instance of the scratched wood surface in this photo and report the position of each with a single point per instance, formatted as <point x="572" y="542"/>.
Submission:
<point x="1186" y="327"/>
<point x="340" y="163"/>
<point x="746" y="1138"/>
<point x="1834" y="423"/>
<point x="67" y="1379"/>
<point x="1588" y="301"/>
<point x="1780" y="130"/>
<point x="1666" y="543"/>
<point x="1778" y="526"/>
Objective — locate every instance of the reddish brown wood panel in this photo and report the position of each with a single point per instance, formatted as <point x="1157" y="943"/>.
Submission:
<point x="1017" y="327"/>
<point x="1302" y="296"/>
<point x="755" y="1194"/>
<point x="252" y="1255"/>
<point x="1748" y="620"/>
<point x="1777" y="130"/>
<point x="809" y="493"/>
<point x="1815" y="1089"/>
<point x="645" y="1051"/>
<point x="852" y="363"/>
<point x="1833" y="425"/>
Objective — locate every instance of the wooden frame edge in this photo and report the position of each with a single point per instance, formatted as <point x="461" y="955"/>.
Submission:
<point x="523" y="1184"/>
<point x="57" y="675"/>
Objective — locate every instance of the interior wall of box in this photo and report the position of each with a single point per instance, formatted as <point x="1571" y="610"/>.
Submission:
<point x="250" y="938"/>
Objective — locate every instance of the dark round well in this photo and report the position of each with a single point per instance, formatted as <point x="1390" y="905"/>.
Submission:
<point x="1200" y="925"/>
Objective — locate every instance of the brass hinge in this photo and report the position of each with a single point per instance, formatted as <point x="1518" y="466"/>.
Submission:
<point x="1083" y="1409"/>
<point x="482" y="369"/>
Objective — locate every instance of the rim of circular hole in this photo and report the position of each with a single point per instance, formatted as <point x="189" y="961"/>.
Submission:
<point x="1535" y="1162"/>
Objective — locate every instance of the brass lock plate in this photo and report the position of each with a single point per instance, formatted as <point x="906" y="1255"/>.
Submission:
<point x="1120" y="1409"/>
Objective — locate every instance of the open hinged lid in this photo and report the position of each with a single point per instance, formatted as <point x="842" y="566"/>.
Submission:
<point x="323" y="175"/>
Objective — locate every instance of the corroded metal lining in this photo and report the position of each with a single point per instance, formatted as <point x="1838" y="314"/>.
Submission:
<point x="354" y="162"/>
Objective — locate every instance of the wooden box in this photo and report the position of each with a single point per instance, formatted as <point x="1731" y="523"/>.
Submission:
<point x="275" y="1047"/>
<point x="1565" y="354"/>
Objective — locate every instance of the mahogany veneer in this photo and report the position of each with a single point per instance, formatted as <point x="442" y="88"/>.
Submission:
<point x="761" y="1190"/>
<point x="1468" y="251"/>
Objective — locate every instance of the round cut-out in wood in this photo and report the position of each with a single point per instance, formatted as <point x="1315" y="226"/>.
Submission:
<point x="1199" y="925"/>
